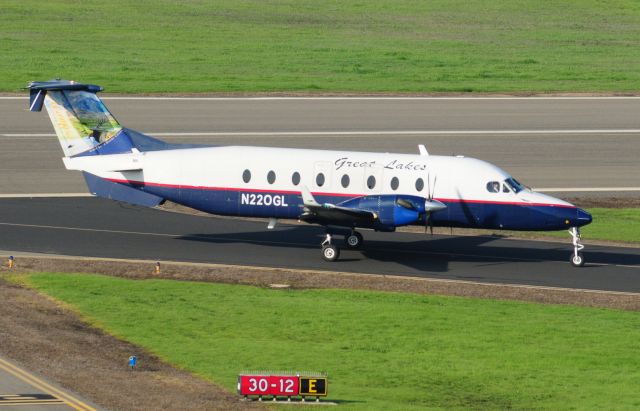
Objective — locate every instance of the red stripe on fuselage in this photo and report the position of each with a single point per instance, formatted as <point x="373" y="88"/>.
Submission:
<point x="256" y="190"/>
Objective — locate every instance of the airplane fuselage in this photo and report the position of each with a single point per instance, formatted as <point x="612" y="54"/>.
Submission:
<point x="266" y="182"/>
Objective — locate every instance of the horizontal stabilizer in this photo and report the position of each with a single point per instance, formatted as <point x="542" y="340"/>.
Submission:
<point x="106" y="163"/>
<point x="115" y="191"/>
<point x="38" y="90"/>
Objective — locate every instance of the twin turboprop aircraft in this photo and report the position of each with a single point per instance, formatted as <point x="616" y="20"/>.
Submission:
<point x="335" y="189"/>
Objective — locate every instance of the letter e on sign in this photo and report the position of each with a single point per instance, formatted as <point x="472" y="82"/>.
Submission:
<point x="313" y="386"/>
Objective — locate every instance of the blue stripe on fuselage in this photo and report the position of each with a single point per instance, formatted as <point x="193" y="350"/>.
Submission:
<point x="253" y="203"/>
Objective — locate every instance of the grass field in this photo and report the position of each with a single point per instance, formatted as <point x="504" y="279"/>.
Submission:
<point x="610" y="224"/>
<point x="319" y="46"/>
<point x="381" y="350"/>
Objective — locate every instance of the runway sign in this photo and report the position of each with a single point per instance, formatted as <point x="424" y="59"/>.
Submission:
<point x="274" y="385"/>
<point x="281" y="385"/>
<point x="313" y="386"/>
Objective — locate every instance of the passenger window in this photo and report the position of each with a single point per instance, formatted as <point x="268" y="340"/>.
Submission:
<point x="295" y="178"/>
<point x="345" y="181"/>
<point x="320" y="180"/>
<point x="419" y="184"/>
<point x="246" y="176"/>
<point x="271" y="177"/>
<point x="395" y="183"/>
<point x="371" y="182"/>
<point x="493" y="187"/>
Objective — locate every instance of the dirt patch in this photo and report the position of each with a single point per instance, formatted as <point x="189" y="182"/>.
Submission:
<point x="300" y="279"/>
<point x="51" y="340"/>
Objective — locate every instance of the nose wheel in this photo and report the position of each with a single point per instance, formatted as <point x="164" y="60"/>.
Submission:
<point x="329" y="251"/>
<point x="577" y="259"/>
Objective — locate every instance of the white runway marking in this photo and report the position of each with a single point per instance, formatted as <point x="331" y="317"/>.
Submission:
<point x="381" y="98"/>
<point x="584" y="189"/>
<point x="45" y="195"/>
<point x="357" y="133"/>
<point x="231" y="239"/>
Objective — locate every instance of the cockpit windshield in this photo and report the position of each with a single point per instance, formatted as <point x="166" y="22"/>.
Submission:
<point x="514" y="185"/>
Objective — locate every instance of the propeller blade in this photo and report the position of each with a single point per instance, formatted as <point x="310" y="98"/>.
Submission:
<point x="435" y="180"/>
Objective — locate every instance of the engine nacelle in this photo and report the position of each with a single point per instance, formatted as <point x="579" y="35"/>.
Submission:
<point x="392" y="210"/>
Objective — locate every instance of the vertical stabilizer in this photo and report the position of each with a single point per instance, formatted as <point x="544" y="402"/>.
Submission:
<point x="81" y="121"/>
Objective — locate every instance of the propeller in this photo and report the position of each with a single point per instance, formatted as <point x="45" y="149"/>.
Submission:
<point x="431" y="205"/>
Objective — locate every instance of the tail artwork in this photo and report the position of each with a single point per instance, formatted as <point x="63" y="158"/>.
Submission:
<point x="86" y="130"/>
<point x="80" y="119"/>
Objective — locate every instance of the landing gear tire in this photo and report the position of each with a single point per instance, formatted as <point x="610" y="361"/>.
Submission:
<point x="354" y="240"/>
<point x="330" y="252"/>
<point x="577" y="260"/>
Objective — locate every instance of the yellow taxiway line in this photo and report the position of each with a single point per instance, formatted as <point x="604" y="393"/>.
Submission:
<point x="47" y="388"/>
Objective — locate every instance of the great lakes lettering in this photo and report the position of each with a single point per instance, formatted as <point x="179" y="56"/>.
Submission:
<point x="346" y="162"/>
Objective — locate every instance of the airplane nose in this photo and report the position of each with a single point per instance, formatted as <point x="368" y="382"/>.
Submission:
<point x="583" y="217"/>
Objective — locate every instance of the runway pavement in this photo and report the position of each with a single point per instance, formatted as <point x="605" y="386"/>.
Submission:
<point x="21" y="389"/>
<point x="102" y="228"/>
<point x="545" y="142"/>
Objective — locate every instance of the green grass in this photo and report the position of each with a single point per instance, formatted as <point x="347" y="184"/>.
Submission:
<point x="307" y="45"/>
<point x="612" y="224"/>
<point x="382" y="350"/>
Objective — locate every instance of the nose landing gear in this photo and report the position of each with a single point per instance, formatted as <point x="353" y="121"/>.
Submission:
<point x="329" y="251"/>
<point x="577" y="259"/>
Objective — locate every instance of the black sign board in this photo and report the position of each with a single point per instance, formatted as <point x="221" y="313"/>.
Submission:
<point x="313" y="386"/>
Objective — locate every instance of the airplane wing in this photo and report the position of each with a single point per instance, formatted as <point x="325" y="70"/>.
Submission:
<point x="316" y="212"/>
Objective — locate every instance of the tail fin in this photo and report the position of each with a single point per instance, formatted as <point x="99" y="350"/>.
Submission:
<point x="82" y="122"/>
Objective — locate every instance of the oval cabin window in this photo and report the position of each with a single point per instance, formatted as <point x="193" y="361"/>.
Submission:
<point x="345" y="181"/>
<point x="371" y="182"/>
<point x="320" y="180"/>
<point x="271" y="177"/>
<point x="395" y="183"/>
<point x="246" y="176"/>
<point x="419" y="184"/>
<point x="295" y="178"/>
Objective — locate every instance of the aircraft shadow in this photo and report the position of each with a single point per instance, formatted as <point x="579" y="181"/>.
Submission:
<point x="421" y="253"/>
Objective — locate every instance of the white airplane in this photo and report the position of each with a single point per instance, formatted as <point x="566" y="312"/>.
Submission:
<point x="340" y="190"/>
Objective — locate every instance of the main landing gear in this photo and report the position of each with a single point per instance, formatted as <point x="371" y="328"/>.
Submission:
<point x="330" y="252"/>
<point x="353" y="240"/>
<point x="577" y="259"/>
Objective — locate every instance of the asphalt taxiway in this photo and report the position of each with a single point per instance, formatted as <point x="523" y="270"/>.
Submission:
<point x="103" y="228"/>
